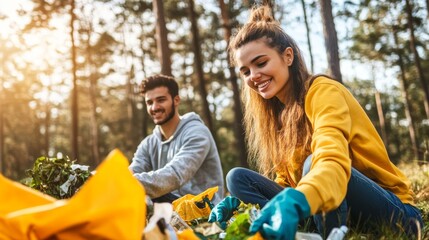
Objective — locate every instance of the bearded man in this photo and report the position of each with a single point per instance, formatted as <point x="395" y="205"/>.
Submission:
<point x="180" y="157"/>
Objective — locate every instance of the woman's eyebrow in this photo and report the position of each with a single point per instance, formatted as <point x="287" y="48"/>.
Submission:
<point x="254" y="60"/>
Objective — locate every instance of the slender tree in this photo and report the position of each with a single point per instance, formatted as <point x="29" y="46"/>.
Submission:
<point x="164" y="53"/>
<point x="198" y="63"/>
<point x="407" y="104"/>
<point x="413" y="47"/>
<point x="145" y="119"/>
<point x="74" y="100"/>
<point x="132" y="100"/>
<point x="238" y="110"/>
<point x="307" y="27"/>
<point x="47" y="125"/>
<point x="93" y="92"/>
<point x="331" y="41"/>
<point x="380" y="112"/>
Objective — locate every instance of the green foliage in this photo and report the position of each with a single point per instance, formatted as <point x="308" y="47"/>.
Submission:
<point x="239" y="224"/>
<point x="57" y="177"/>
<point x="239" y="229"/>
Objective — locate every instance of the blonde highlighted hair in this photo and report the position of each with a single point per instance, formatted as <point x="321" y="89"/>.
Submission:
<point x="278" y="135"/>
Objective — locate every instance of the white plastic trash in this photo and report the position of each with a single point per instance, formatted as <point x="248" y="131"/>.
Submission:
<point x="307" y="236"/>
<point x="338" y="233"/>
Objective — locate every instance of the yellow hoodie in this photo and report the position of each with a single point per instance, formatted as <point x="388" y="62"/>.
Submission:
<point x="343" y="137"/>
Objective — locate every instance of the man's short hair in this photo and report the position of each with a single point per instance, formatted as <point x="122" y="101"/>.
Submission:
<point x="160" y="80"/>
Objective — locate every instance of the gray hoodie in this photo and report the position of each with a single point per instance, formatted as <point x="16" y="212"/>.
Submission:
<point x="187" y="163"/>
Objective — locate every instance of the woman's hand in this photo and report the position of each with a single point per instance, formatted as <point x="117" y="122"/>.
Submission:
<point x="280" y="216"/>
<point x="224" y="210"/>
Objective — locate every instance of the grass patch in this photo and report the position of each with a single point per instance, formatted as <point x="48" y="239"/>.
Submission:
<point x="418" y="174"/>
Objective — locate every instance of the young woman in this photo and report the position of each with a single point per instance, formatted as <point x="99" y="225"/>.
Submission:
<point x="327" y="158"/>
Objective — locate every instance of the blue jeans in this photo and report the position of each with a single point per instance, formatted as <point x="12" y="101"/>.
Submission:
<point x="365" y="202"/>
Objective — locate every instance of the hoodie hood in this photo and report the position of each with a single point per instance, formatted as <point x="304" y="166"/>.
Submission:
<point x="187" y="118"/>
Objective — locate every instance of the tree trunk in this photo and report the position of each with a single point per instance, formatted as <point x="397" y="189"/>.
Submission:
<point x="93" y="102"/>
<point x="163" y="50"/>
<point x="307" y="27"/>
<point x="198" y="63"/>
<point x="381" y="117"/>
<point x="238" y="110"/>
<point x="417" y="58"/>
<point x="133" y="112"/>
<point x="145" y="115"/>
<point x="407" y="105"/>
<point x="380" y="112"/>
<point x="47" y="125"/>
<point x="331" y="41"/>
<point x="74" y="100"/>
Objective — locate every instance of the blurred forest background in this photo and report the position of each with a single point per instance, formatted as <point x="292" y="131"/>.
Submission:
<point x="70" y="70"/>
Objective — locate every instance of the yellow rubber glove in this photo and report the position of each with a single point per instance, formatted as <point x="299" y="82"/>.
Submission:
<point x="190" y="207"/>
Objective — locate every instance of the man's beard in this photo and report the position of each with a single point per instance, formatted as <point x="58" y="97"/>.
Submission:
<point x="169" y="116"/>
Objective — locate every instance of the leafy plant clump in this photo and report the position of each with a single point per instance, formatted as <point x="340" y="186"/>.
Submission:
<point x="57" y="177"/>
<point x="238" y="226"/>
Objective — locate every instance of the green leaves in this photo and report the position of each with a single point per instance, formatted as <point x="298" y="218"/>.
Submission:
<point x="239" y="229"/>
<point x="57" y="177"/>
<point x="240" y="223"/>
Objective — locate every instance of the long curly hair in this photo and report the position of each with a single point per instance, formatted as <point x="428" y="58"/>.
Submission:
<point x="278" y="135"/>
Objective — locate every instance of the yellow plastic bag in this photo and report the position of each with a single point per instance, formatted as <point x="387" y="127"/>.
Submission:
<point x="190" y="207"/>
<point x="110" y="205"/>
<point x="15" y="196"/>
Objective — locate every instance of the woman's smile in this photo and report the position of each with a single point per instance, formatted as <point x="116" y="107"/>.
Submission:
<point x="263" y="68"/>
<point x="263" y="85"/>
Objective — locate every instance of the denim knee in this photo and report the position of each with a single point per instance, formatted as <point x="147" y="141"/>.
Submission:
<point x="233" y="176"/>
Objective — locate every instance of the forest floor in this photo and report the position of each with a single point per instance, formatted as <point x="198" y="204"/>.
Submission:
<point x="419" y="176"/>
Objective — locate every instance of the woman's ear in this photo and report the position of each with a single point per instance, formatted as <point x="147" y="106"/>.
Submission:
<point x="288" y="56"/>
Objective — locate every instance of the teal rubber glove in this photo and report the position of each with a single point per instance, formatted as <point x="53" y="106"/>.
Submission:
<point x="280" y="216"/>
<point x="224" y="210"/>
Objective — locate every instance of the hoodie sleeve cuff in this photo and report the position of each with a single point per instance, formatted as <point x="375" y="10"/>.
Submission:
<point x="313" y="197"/>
